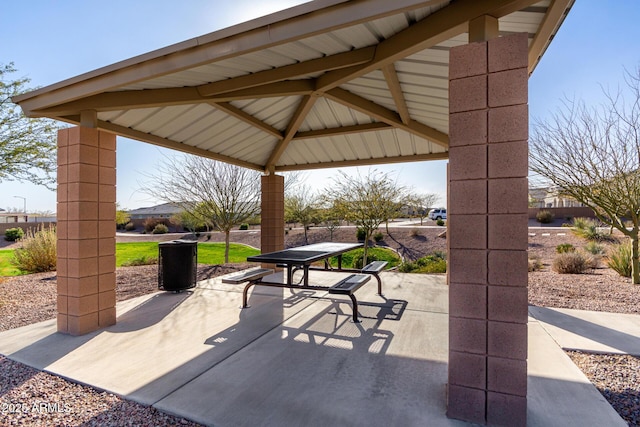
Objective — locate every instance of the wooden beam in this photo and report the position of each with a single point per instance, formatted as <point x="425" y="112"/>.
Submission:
<point x="440" y="26"/>
<point x="393" y="83"/>
<point x="552" y="20"/>
<point x="126" y="100"/>
<point x="318" y="65"/>
<point x="365" y="162"/>
<point x="296" y="121"/>
<point x="344" y="130"/>
<point x="271" y="90"/>
<point x="174" y="145"/>
<point x="385" y="115"/>
<point x="247" y="118"/>
<point x="483" y="28"/>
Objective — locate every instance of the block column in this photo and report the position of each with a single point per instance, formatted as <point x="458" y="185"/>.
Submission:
<point x="86" y="230"/>
<point x="272" y="216"/>
<point x="488" y="165"/>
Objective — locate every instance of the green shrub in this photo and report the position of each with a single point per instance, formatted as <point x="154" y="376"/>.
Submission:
<point x="160" y="229"/>
<point x="13" y="234"/>
<point x="38" y="251"/>
<point x="544" y="216"/>
<point x="361" y="234"/>
<point x="130" y="226"/>
<point x="378" y="237"/>
<point x="244" y="226"/>
<point x="594" y="248"/>
<point x="534" y="263"/>
<point x="141" y="260"/>
<point x="440" y="222"/>
<point x="620" y="259"/>
<point x="589" y="229"/>
<point x="565" y="247"/>
<point x="572" y="263"/>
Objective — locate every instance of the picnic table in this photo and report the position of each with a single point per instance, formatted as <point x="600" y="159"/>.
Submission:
<point x="302" y="257"/>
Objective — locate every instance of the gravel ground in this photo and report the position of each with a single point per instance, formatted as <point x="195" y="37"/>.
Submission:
<point x="33" y="398"/>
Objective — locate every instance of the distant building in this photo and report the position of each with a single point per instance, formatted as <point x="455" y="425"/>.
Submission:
<point x="165" y="210"/>
<point x="551" y="197"/>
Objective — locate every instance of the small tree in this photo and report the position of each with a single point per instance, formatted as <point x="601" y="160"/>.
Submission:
<point x="122" y="217"/>
<point x="27" y="146"/>
<point x="364" y="200"/>
<point x="301" y="206"/>
<point x="593" y="155"/>
<point x="220" y="194"/>
<point x="331" y="219"/>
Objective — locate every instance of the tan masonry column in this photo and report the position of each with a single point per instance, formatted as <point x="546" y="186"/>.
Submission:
<point x="488" y="163"/>
<point x="272" y="216"/>
<point x="86" y="230"/>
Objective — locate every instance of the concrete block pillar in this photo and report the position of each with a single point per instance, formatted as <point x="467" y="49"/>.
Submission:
<point x="86" y="230"/>
<point x="272" y="216"/>
<point x="488" y="163"/>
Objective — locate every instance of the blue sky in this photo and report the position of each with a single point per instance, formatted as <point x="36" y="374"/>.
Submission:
<point x="52" y="40"/>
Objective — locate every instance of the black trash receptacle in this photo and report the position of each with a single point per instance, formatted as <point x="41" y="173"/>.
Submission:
<point x="177" y="265"/>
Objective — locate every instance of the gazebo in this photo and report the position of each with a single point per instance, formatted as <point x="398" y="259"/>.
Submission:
<point x="332" y="83"/>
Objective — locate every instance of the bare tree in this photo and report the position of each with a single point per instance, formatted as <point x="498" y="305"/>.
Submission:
<point x="365" y="200"/>
<point x="222" y="195"/>
<point x="593" y="155"/>
<point x="421" y="203"/>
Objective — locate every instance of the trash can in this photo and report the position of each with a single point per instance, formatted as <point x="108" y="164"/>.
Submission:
<point x="177" y="265"/>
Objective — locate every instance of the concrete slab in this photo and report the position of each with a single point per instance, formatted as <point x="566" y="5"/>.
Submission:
<point x="591" y="331"/>
<point x="295" y="358"/>
<point x="559" y="394"/>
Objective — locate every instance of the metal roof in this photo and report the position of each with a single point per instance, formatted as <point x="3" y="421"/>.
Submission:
<point x="328" y="83"/>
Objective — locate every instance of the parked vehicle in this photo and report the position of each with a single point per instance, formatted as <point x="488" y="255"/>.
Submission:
<point x="436" y="214"/>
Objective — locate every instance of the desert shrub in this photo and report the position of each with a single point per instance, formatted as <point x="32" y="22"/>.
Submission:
<point x="141" y="260"/>
<point x="13" y="234"/>
<point x="589" y="229"/>
<point x="440" y="222"/>
<point x="430" y="264"/>
<point x="244" y="226"/>
<point x="361" y="234"/>
<point x="544" y="216"/>
<point x="572" y="263"/>
<point x="160" y="229"/>
<point x="130" y="226"/>
<point x="150" y="223"/>
<point x="594" y="248"/>
<point x="378" y="237"/>
<point x="620" y="259"/>
<point x="534" y="263"/>
<point x="38" y="251"/>
<point x="415" y="232"/>
<point x="565" y="247"/>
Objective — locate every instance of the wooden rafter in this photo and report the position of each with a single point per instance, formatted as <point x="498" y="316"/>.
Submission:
<point x="393" y="83"/>
<point x="296" y="121"/>
<point x="553" y="19"/>
<point x="385" y="115"/>
<point x="247" y="118"/>
<point x="365" y="162"/>
<point x="343" y="130"/>
<point x="327" y="63"/>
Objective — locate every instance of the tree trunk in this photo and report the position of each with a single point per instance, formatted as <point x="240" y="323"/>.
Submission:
<point x="635" y="272"/>
<point x="227" y="234"/>
<point x="366" y="248"/>
<point x="306" y="240"/>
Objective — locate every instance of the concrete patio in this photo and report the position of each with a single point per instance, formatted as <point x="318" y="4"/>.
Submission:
<point x="295" y="358"/>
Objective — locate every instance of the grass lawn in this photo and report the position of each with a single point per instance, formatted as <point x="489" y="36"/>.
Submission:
<point x="6" y="268"/>
<point x="208" y="253"/>
<point x="380" y="254"/>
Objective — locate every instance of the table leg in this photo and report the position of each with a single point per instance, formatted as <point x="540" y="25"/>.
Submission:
<point x="306" y="275"/>
<point x="340" y="262"/>
<point x="289" y="274"/>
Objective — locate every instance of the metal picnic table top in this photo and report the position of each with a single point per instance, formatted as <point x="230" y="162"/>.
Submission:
<point x="305" y="255"/>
